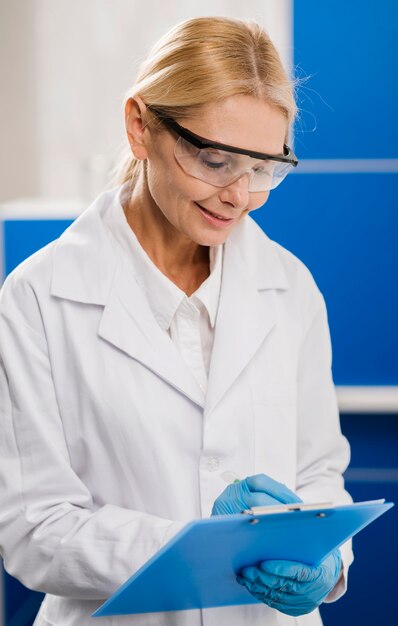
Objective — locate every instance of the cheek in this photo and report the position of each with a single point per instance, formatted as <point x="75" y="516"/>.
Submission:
<point x="257" y="200"/>
<point x="163" y="179"/>
<point x="157" y="178"/>
<point x="162" y="189"/>
<point x="170" y="187"/>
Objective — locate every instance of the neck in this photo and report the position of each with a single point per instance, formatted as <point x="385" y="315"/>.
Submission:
<point x="182" y="260"/>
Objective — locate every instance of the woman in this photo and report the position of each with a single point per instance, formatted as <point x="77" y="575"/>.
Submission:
<point x="162" y="342"/>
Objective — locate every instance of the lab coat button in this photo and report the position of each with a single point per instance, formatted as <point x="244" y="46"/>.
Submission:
<point x="213" y="464"/>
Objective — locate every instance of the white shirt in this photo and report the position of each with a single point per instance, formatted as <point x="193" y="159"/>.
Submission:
<point x="189" y="321"/>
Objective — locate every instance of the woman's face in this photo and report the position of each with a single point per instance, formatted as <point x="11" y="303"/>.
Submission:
<point x="241" y="121"/>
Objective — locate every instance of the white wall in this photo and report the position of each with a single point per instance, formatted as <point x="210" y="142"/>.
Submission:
<point x="18" y="149"/>
<point x="65" y="66"/>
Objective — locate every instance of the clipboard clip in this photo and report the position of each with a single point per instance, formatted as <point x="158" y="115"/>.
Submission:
<point x="287" y="508"/>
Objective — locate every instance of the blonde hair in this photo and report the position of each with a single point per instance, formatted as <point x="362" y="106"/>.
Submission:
<point x="204" y="60"/>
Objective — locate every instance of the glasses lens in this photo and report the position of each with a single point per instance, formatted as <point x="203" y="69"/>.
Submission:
<point x="269" y="175"/>
<point x="210" y="165"/>
<point x="220" y="168"/>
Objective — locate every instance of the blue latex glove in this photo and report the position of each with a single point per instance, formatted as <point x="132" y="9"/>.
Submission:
<point x="290" y="587"/>
<point x="257" y="490"/>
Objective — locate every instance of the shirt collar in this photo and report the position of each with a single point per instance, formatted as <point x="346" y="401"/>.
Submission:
<point x="163" y="295"/>
<point x="209" y="291"/>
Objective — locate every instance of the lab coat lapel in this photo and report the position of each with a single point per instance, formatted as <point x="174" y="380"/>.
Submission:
<point x="128" y="323"/>
<point x="246" y="316"/>
<point x="91" y="269"/>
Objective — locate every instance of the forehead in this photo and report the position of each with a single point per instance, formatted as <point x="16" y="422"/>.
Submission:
<point x="241" y="121"/>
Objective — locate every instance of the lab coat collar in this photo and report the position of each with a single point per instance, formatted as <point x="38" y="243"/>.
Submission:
<point x="89" y="268"/>
<point x="129" y="324"/>
<point x="253" y="271"/>
<point x="246" y="315"/>
<point x="163" y="295"/>
<point x="86" y="255"/>
<point x="258" y="256"/>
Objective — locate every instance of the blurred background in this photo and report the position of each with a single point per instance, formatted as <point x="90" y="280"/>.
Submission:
<point x="64" y="68"/>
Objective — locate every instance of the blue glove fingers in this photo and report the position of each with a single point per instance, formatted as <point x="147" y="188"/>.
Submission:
<point x="326" y="573"/>
<point x="259" y="498"/>
<point x="301" y="571"/>
<point x="257" y="490"/>
<point x="288" y="603"/>
<point x="291" y="587"/>
<point x="232" y="500"/>
<point x="250" y="573"/>
<point x="291" y="604"/>
<point x="257" y="576"/>
<point x="241" y="492"/>
<point x="256" y="588"/>
<point x="277" y="582"/>
<point x="292" y="570"/>
<point x="266" y="484"/>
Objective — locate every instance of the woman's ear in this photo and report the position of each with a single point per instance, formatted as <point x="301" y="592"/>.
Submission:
<point x="135" y="127"/>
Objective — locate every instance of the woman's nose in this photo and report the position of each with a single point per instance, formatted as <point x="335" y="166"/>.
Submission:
<point x="237" y="192"/>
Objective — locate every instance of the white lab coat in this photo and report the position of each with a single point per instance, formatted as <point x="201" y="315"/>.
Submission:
<point x="108" y="445"/>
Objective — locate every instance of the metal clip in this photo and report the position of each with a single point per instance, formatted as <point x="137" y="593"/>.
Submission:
<point x="287" y="508"/>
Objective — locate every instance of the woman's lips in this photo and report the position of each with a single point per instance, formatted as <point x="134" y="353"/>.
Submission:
<point x="213" y="219"/>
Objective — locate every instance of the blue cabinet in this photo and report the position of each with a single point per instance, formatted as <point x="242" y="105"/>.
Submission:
<point x="21" y="238"/>
<point x="344" y="228"/>
<point x="373" y="474"/>
<point x="349" y="51"/>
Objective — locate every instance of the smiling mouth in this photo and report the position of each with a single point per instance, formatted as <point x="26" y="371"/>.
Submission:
<point x="220" y="217"/>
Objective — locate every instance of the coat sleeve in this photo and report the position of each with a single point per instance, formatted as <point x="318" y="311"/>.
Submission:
<point x="53" y="537"/>
<point x="323" y="452"/>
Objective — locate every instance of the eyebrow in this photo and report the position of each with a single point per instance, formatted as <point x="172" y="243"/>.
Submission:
<point x="202" y="142"/>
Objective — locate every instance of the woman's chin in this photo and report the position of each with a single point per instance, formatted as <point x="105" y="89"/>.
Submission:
<point x="211" y="239"/>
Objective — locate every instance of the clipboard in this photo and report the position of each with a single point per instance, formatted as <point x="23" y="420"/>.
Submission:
<point x="197" y="568"/>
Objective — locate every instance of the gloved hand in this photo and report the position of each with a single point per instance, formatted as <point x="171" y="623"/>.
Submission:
<point x="290" y="587"/>
<point x="257" y="490"/>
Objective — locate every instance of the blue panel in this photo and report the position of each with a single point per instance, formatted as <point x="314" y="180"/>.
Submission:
<point x="22" y="604"/>
<point x="21" y="239"/>
<point x="24" y="237"/>
<point x="374" y="441"/>
<point x="371" y="595"/>
<point x="344" y="228"/>
<point x="350" y="49"/>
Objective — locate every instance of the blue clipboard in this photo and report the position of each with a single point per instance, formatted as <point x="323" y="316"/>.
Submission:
<point x="197" y="568"/>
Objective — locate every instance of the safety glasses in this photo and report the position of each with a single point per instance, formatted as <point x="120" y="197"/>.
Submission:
<point x="220" y="165"/>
